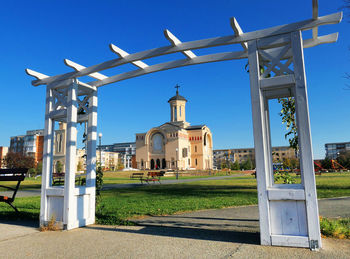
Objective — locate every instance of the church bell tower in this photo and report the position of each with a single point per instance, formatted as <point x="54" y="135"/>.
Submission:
<point x="177" y="107"/>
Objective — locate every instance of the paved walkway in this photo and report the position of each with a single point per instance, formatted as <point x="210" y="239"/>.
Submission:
<point x="225" y="233"/>
<point x="244" y="218"/>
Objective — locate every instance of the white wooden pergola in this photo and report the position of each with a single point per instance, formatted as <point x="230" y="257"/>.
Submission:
<point x="288" y="213"/>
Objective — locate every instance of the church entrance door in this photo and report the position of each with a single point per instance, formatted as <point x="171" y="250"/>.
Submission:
<point x="163" y="163"/>
<point x="158" y="164"/>
<point x="152" y="164"/>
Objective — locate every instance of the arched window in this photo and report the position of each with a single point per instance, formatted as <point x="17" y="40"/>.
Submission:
<point x="157" y="142"/>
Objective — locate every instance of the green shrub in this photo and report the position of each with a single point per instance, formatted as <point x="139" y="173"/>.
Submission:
<point x="338" y="228"/>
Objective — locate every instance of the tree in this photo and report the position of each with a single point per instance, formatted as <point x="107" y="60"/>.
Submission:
<point x="344" y="159"/>
<point x="59" y="167"/>
<point x="287" y="163"/>
<point x="79" y="166"/>
<point x="288" y="117"/>
<point x="99" y="182"/>
<point x="235" y="166"/>
<point x="247" y="165"/>
<point x="39" y="168"/>
<point x="326" y="163"/>
<point x="18" y="160"/>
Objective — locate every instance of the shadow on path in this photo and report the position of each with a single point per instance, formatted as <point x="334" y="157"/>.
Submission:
<point x="21" y="222"/>
<point x="191" y="233"/>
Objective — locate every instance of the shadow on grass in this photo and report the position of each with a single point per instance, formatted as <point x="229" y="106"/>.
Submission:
<point x="21" y="218"/>
<point x="191" y="233"/>
<point x="188" y="190"/>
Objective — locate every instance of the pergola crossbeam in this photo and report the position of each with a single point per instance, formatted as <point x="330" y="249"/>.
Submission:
<point x="78" y="67"/>
<point x="121" y="53"/>
<point x="175" y="41"/>
<point x="172" y="64"/>
<point x="315" y="16"/>
<point x="238" y="31"/>
<point x="198" y="44"/>
<point x="35" y="74"/>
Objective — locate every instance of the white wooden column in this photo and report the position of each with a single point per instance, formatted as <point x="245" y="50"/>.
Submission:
<point x="305" y="144"/>
<point x="261" y="142"/>
<point x="91" y="155"/>
<point x="47" y="157"/>
<point x="70" y="205"/>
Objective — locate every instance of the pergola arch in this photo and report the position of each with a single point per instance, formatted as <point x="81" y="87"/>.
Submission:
<point x="288" y="214"/>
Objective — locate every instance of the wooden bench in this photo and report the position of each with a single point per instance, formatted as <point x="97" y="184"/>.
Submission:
<point x="15" y="174"/>
<point x="138" y="176"/>
<point x="153" y="177"/>
<point x="57" y="178"/>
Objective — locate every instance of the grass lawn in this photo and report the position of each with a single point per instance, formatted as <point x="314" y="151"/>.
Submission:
<point x="118" y="177"/>
<point x="118" y="206"/>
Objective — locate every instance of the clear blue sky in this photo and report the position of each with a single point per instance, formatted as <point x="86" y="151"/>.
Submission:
<point x="40" y="34"/>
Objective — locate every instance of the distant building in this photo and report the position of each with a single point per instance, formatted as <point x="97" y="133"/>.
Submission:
<point x="59" y="147"/>
<point x="126" y="151"/>
<point x="334" y="149"/>
<point x="33" y="144"/>
<point x="175" y="144"/>
<point x="17" y="144"/>
<point x="3" y="153"/>
<point x="30" y="144"/>
<point x="242" y="154"/>
<point x="108" y="160"/>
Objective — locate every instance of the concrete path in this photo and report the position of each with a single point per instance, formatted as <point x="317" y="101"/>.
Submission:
<point x="241" y="219"/>
<point x="36" y="192"/>
<point x="154" y="242"/>
<point x="225" y="233"/>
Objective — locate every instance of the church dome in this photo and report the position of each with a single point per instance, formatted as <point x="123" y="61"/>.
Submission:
<point x="177" y="96"/>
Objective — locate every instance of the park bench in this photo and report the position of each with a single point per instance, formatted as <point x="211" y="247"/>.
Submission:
<point x="7" y="175"/>
<point x="58" y="178"/>
<point x="153" y="177"/>
<point x="138" y="176"/>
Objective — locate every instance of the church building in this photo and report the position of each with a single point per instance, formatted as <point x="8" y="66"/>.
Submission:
<point x="175" y="144"/>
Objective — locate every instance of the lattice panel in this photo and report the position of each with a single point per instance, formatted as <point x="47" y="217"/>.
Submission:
<point x="273" y="63"/>
<point x="60" y="99"/>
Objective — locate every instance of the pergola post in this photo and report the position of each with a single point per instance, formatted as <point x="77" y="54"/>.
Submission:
<point x="288" y="212"/>
<point x="47" y="157"/>
<point x="71" y="151"/>
<point x="305" y="143"/>
<point x="261" y="142"/>
<point x="91" y="155"/>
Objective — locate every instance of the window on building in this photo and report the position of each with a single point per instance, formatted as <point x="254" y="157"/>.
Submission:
<point x="196" y="161"/>
<point x="184" y="152"/>
<point x="180" y="111"/>
<point x="195" y="148"/>
<point x="175" y="113"/>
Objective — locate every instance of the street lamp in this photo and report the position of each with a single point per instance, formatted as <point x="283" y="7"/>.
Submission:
<point x="177" y="164"/>
<point x="100" y="137"/>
